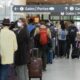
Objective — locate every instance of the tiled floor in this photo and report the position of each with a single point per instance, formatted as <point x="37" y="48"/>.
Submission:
<point x="62" y="69"/>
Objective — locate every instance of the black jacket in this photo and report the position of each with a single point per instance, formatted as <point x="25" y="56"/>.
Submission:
<point x="72" y="31"/>
<point x="22" y="55"/>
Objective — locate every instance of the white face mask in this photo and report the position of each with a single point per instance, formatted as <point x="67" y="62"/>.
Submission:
<point x="19" y="24"/>
<point x="48" y="24"/>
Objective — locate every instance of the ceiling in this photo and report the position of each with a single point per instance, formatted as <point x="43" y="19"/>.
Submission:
<point x="54" y="1"/>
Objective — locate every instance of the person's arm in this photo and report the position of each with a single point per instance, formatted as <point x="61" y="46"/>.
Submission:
<point x="15" y="45"/>
<point x="76" y="29"/>
<point x="49" y="33"/>
<point x="36" y="31"/>
<point x="0" y="42"/>
<point x="58" y="33"/>
<point x="27" y="38"/>
<point x="66" y="32"/>
<point x="0" y="47"/>
<point x="28" y="43"/>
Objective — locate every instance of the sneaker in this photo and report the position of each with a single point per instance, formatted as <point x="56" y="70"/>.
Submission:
<point x="67" y="57"/>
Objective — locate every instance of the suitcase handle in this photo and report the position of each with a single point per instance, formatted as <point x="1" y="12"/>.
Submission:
<point x="32" y="52"/>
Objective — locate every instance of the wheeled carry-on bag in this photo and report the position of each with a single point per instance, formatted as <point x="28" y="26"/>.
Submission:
<point x="75" y="51"/>
<point x="35" y="66"/>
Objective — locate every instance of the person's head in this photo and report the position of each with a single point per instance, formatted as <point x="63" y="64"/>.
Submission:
<point x="42" y="22"/>
<point x="21" y="22"/>
<point x="72" y="22"/>
<point x="12" y="26"/>
<point x="62" y="24"/>
<point x="43" y="26"/>
<point x="38" y="25"/>
<point x="6" y="22"/>
<point x="31" y="21"/>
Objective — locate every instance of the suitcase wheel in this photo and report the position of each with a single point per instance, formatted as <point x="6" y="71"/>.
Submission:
<point x="30" y="78"/>
<point x="40" y="78"/>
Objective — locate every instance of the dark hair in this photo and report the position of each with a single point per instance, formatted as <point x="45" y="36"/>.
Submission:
<point x="31" y="20"/>
<point x="63" y="27"/>
<point x="13" y="25"/>
<point x="6" y="22"/>
<point x="62" y="24"/>
<point x="42" y="22"/>
<point x="72" y="21"/>
<point x="46" y="21"/>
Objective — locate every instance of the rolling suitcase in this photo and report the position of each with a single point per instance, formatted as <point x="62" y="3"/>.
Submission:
<point x="56" y="47"/>
<point x="35" y="66"/>
<point x="75" y="53"/>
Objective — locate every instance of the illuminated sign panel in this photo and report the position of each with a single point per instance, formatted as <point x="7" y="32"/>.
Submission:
<point x="59" y="9"/>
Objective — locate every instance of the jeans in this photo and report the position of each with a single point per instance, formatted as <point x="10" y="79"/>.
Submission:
<point x="69" y="43"/>
<point x="43" y="54"/>
<point x="62" y="48"/>
<point x="0" y="71"/>
<point x="4" y="69"/>
<point x="49" y="56"/>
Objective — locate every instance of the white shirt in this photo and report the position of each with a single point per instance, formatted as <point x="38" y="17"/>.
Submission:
<point x="60" y="32"/>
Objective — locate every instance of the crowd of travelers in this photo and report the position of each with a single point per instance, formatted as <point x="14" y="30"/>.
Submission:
<point x="18" y="38"/>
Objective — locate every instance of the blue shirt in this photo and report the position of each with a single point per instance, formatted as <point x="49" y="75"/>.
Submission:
<point x="31" y="27"/>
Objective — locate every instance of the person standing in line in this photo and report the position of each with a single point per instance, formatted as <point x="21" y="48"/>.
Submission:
<point x="8" y="46"/>
<point x="62" y="34"/>
<point x="71" y="37"/>
<point x="44" y="36"/>
<point x="22" y="54"/>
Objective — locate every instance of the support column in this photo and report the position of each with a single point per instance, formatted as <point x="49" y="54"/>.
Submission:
<point x="19" y="2"/>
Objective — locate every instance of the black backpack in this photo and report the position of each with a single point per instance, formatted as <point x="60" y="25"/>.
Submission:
<point x="72" y="32"/>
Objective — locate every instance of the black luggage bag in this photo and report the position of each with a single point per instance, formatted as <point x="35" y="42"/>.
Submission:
<point x="75" y="53"/>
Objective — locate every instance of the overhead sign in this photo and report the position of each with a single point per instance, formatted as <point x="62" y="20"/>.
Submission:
<point x="60" y="9"/>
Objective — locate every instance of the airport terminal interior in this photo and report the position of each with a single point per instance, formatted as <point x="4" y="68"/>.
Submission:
<point x="61" y="67"/>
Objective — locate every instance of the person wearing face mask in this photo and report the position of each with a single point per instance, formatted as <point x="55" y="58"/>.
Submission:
<point x="20" y="24"/>
<point x="22" y="54"/>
